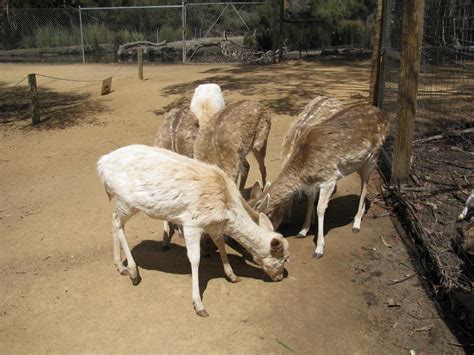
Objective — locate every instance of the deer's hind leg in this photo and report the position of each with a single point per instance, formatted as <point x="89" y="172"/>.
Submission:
<point x="364" y="174"/>
<point x="119" y="218"/>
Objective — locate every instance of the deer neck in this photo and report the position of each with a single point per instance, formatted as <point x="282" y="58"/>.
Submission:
<point x="248" y="234"/>
<point x="282" y="190"/>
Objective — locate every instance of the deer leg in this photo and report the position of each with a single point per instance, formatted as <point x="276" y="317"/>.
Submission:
<point x="118" y="222"/>
<point x="208" y="247"/>
<point x="309" y="212"/>
<point x="324" y="196"/>
<point x="244" y="172"/>
<point x="260" y="157"/>
<point x="225" y="260"/>
<point x="364" y="173"/>
<point x="192" y="236"/>
<point x="168" y="231"/>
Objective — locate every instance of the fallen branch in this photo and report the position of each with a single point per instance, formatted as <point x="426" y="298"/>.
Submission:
<point x="422" y="329"/>
<point x="385" y="243"/>
<point x="135" y="45"/>
<point x="445" y="135"/>
<point x="397" y="281"/>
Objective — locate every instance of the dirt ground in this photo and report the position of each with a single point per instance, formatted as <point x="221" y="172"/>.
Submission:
<point x="61" y="292"/>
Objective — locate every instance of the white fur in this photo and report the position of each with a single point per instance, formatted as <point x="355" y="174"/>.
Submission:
<point x="207" y="101"/>
<point x="196" y="195"/>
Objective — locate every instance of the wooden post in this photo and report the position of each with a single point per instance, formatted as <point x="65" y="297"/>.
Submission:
<point x="412" y="36"/>
<point x="34" y="99"/>
<point x="376" y="56"/>
<point x="140" y="63"/>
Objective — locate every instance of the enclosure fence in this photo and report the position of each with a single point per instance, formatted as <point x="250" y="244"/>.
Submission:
<point x="183" y="33"/>
<point x="441" y="175"/>
<point x="187" y="32"/>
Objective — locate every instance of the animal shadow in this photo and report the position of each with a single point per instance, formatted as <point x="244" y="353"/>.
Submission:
<point x="340" y="212"/>
<point x="148" y="255"/>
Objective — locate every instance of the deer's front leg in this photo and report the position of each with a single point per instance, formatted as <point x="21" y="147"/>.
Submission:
<point x="225" y="260"/>
<point x="192" y="237"/>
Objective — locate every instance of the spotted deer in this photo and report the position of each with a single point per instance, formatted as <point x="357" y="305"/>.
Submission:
<point x="316" y="111"/>
<point x="198" y="196"/>
<point x="349" y="141"/>
<point x="226" y="140"/>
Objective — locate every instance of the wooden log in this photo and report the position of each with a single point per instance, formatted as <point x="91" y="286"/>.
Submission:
<point x="140" y="63"/>
<point x="412" y="36"/>
<point x="34" y="104"/>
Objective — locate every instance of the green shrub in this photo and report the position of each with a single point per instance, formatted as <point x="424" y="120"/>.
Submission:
<point x="49" y="36"/>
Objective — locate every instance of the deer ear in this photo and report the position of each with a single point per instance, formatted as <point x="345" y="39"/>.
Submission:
<point x="264" y="222"/>
<point x="263" y="205"/>
<point x="256" y="190"/>
<point x="276" y="245"/>
<point x="267" y="185"/>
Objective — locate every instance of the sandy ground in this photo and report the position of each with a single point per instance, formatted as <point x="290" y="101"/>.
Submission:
<point x="60" y="292"/>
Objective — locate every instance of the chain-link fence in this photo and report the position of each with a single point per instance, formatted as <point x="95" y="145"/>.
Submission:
<point x="311" y="29"/>
<point x="183" y="33"/>
<point x="105" y="30"/>
<point x="37" y="35"/>
<point x="441" y="175"/>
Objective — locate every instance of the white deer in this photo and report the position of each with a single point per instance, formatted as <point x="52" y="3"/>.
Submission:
<point x="347" y="142"/>
<point x="196" y="195"/>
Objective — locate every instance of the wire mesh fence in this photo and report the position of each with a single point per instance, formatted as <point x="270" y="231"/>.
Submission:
<point x="41" y="34"/>
<point x="442" y="151"/>
<point x="183" y="33"/>
<point x="221" y="32"/>
<point x="105" y="30"/>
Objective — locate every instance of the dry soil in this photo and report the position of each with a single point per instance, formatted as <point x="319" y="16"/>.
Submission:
<point x="60" y="291"/>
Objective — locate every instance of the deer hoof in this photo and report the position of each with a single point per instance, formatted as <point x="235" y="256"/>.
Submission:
<point x="317" y="255"/>
<point x="355" y="230"/>
<point x="202" y="313"/>
<point x="235" y="280"/>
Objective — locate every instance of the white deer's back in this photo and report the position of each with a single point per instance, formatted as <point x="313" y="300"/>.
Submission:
<point x="166" y="185"/>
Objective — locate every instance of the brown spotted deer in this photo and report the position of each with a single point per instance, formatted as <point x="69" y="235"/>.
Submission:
<point x="315" y="112"/>
<point x="226" y="140"/>
<point x="347" y="142"/>
<point x="178" y="132"/>
<point x="198" y="196"/>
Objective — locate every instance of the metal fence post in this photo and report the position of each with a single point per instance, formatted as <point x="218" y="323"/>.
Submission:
<point x="82" y="36"/>
<point x="183" y="10"/>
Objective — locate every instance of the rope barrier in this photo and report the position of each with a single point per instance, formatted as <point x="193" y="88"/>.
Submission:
<point x="18" y="83"/>
<point x="66" y="79"/>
